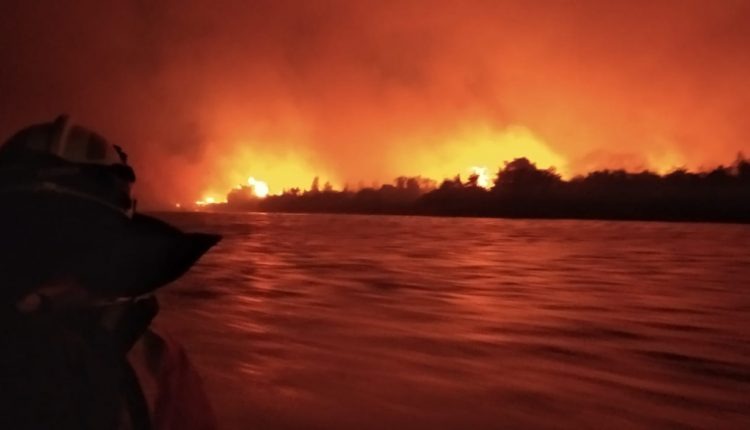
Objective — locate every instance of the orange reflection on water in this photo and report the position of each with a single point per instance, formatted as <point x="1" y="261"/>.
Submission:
<point x="316" y="321"/>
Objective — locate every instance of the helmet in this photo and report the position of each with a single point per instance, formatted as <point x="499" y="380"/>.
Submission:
<point x="70" y="159"/>
<point x="68" y="210"/>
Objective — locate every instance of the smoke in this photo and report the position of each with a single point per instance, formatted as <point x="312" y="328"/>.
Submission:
<point x="204" y="94"/>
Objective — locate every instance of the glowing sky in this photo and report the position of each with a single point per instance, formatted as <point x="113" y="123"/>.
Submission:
<point x="205" y="94"/>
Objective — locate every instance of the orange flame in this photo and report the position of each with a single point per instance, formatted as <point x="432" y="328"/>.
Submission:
<point x="260" y="188"/>
<point x="208" y="200"/>
<point x="483" y="176"/>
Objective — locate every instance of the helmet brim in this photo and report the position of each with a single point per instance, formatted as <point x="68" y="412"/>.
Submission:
<point x="51" y="234"/>
<point x="153" y="253"/>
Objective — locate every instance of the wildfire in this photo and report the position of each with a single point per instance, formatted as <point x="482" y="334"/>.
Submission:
<point x="483" y="176"/>
<point x="255" y="188"/>
<point x="260" y="188"/>
<point x="208" y="200"/>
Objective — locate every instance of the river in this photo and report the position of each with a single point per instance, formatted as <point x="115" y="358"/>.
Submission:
<point x="385" y="322"/>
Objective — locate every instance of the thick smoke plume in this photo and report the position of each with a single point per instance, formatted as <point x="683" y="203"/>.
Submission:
<point x="204" y="94"/>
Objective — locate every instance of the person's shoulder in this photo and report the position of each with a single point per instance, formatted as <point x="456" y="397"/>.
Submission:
<point x="172" y="386"/>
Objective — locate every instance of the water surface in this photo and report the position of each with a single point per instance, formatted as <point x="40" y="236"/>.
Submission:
<point x="338" y="322"/>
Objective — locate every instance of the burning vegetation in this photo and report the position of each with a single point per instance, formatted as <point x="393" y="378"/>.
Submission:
<point x="521" y="189"/>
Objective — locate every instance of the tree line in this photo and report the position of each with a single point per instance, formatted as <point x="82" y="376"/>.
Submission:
<point x="522" y="190"/>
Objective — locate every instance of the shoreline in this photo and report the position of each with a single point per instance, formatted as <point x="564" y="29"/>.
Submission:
<point x="222" y="209"/>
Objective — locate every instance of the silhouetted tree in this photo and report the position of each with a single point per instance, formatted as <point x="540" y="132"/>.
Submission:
<point x="522" y="174"/>
<point x="473" y="180"/>
<point x="719" y="176"/>
<point x="294" y="192"/>
<point x="450" y="184"/>
<point x="742" y="168"/>
<point x="523" y="190"/>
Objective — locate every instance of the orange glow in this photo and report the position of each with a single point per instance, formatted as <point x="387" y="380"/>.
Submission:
<point x="280" y="171"/>
<point x="475" y="148"/>
<point x="209" y="200"/>
<point x="260" y="188"/>
<point x="366" y="91"/>
<point x="477" y="145"/>
<point x="483" y="176"/>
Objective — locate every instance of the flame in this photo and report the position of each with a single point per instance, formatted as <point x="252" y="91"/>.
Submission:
<point x="483" y="176"/>
<point x="208" y="200"/>
<point x="260" y="188"/>
<point x="476" y="144"/>
<point x="279" y="169"/>
<point x="472" y="147"/>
